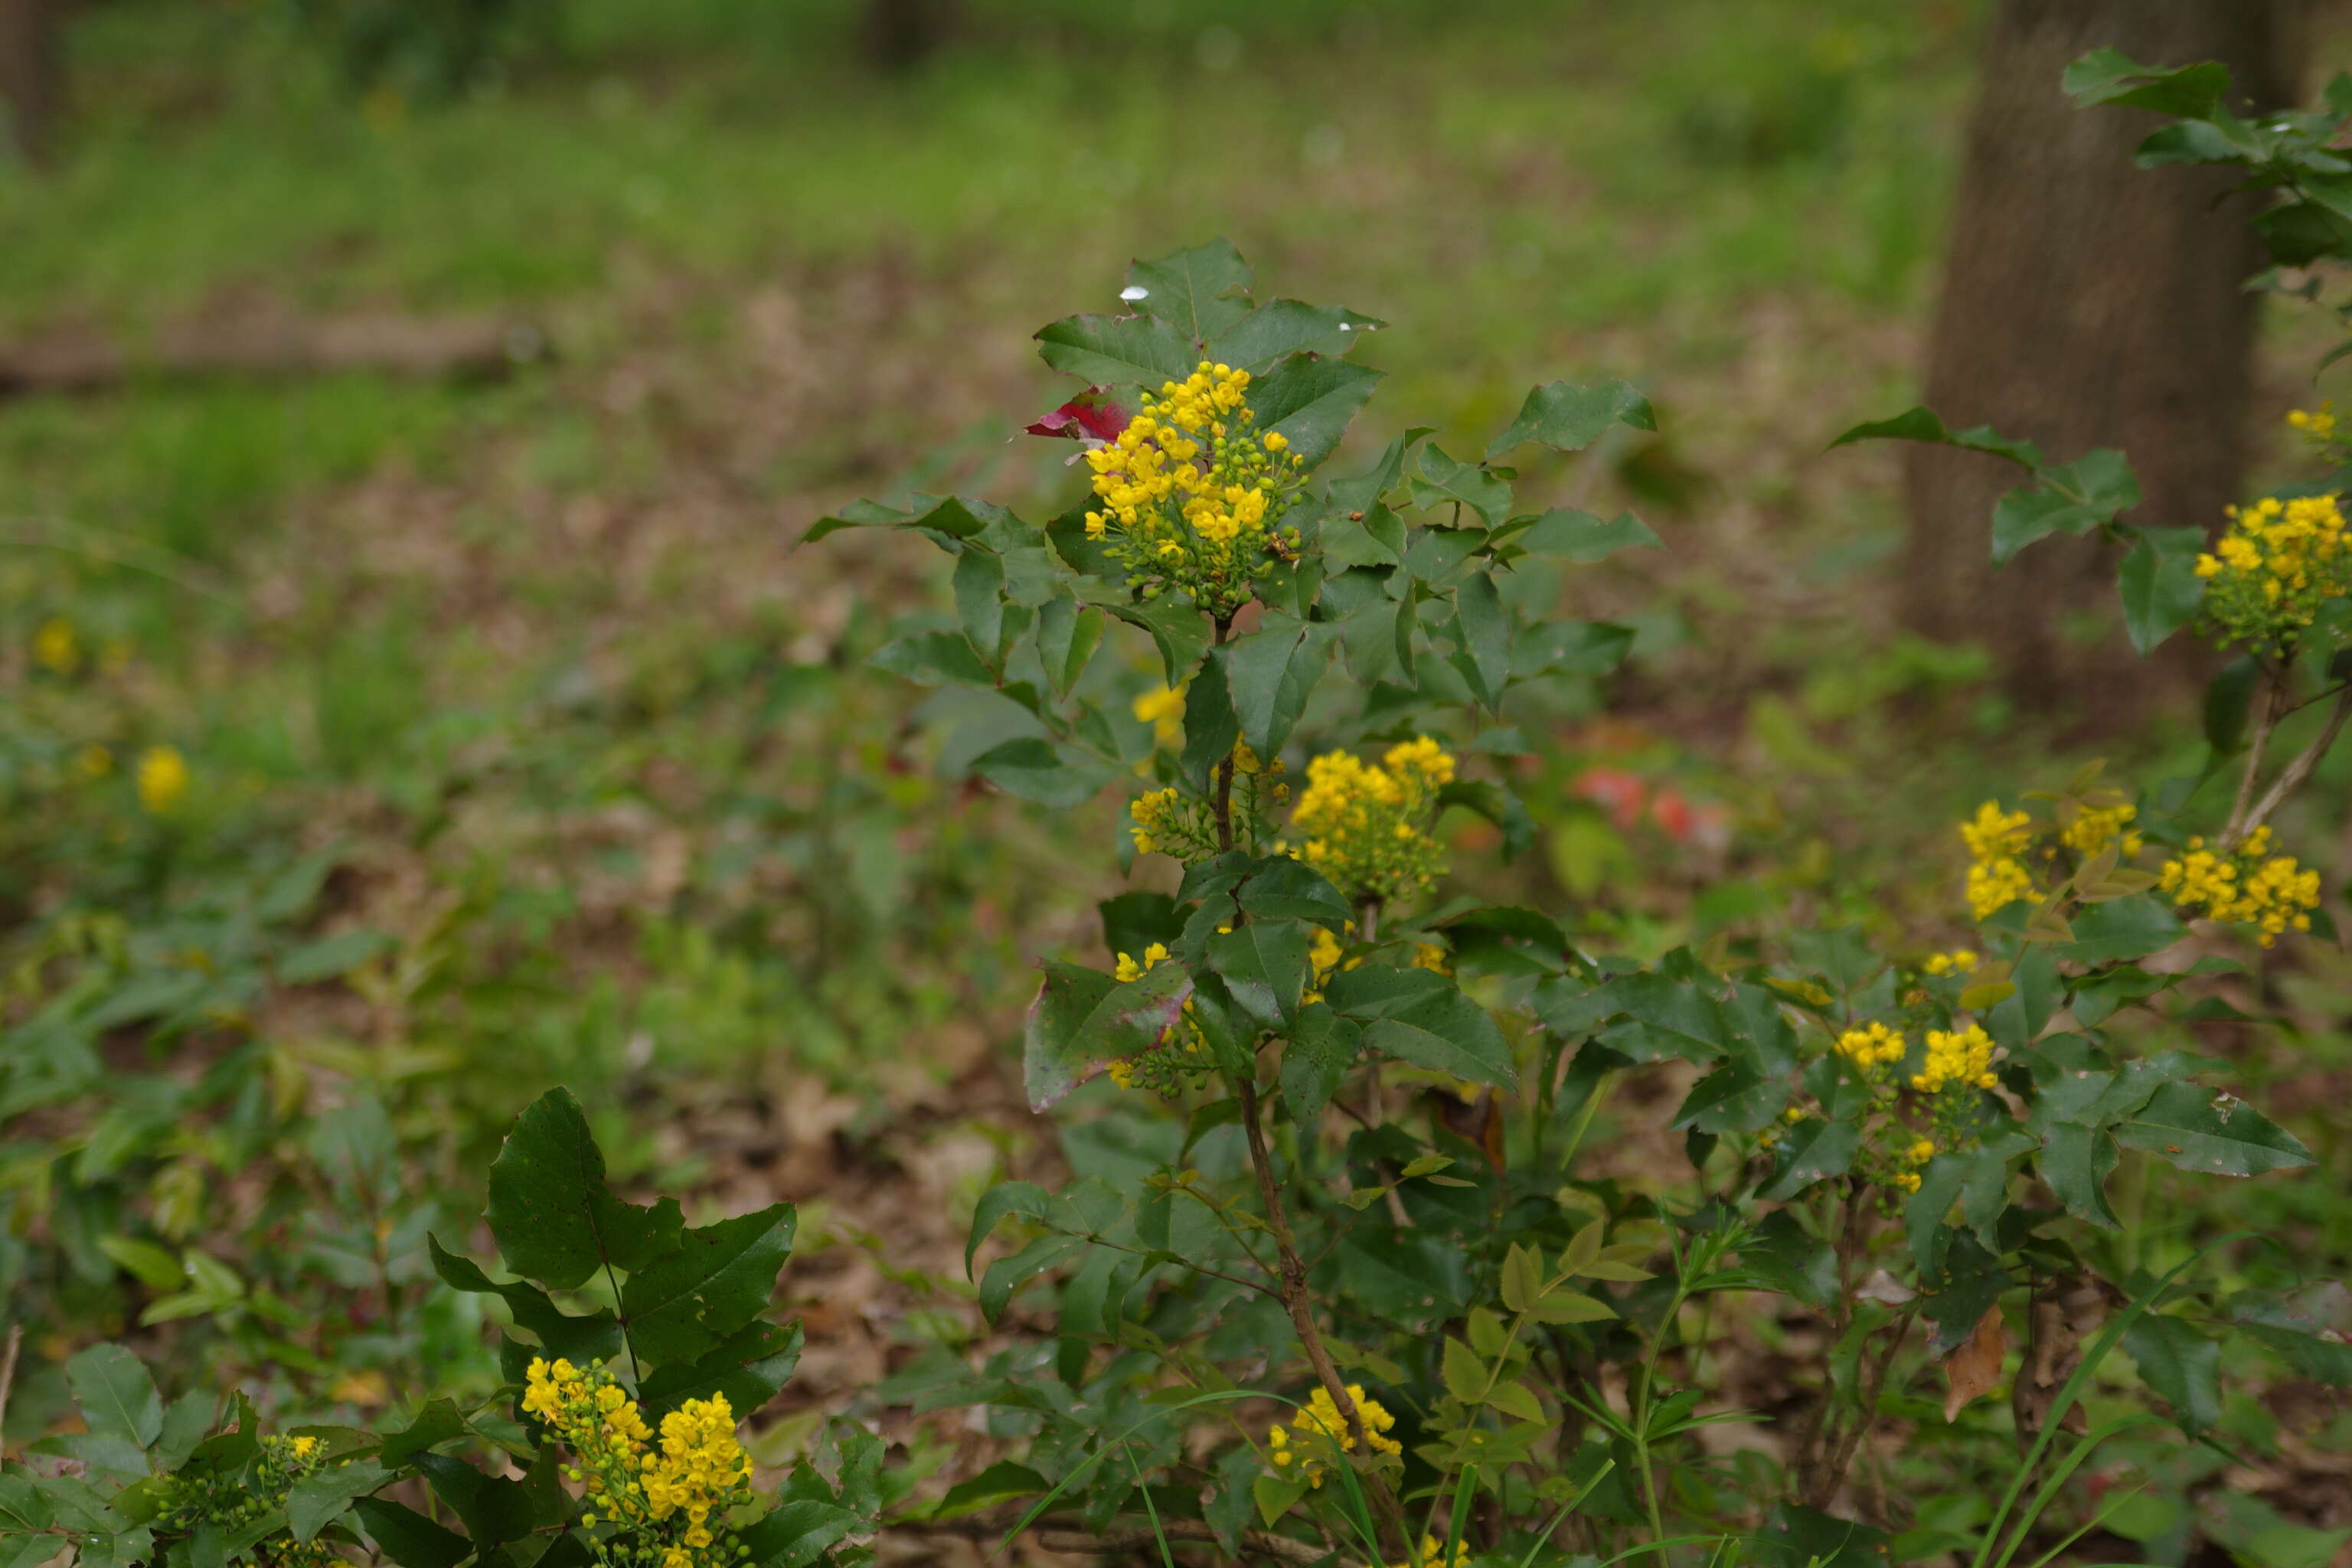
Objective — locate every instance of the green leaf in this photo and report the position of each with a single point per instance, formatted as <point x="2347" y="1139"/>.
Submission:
<point x="407" y="1537"/>
<point x="1203" y="292"/>
<point x="933" y="658"/>
<point x="23" y="1507"/>
<point x="1813" y="1151"/>
<point x="1464" y="1374"/>
<point x="719" y="1278"/>
<point x="1570" y="647"/>
<point x="1264" y="966"/>
<point x="1569" y="419"/>
<point x="494" y="1509"/>
<point x="943" y="520"/>
<point x="2205" y="1130"/>
<point x="2120" y="929"/>
<point x="1068" y="636"/>
<point x="1583" y="538"/>
<point x="1270" y="674"/>
<point x="2025" y="515"/>
<point x="1118" y="351"/>
<point x="750" y="1367"/>
<point x="1275" y="1495"/>
<point x="437" y="1423"/>
<point x="979" y="584"/>
<point x="797" y="1534"/>
<point x="554" y="1219"/>
<point x="325" y="1495"/>
<point x="1281" y="888"/>
<point x="2109" y="76"/>
<point x="116" y="1396"/>
<point x="330" y="957"/>
<point x="2076" y="1161"/>
<point x="1443" y="1030"/>
<point x="1285" y="327"/>
<point x="1321" y="1047"/>
<point x="2182" y="1365"/>
<point x="1498" y="805"/>
<point x="1444" y="480"/>
<point x="1008" y="1274"/>
<point x="1178" y="629"/>
<point x="1044" y="772"/>
<point x="1311" y="401"/>
<point x="2309" y="1327"/>
<point x="1486" y="633"/>
<point x="1522" y="1279"/>
<point x="1001" y="1482"/>
<point x="595" y="1336"/>
<point x="2160" y="585"/>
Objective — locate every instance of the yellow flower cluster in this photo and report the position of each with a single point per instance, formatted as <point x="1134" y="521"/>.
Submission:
<point x="2318" y="423"/>
<point x="660" y="1502"/>
<point x="1432" y="1554"/>
<point x="55" y="648"/>
<point x="1324" y="1429"/>
<point x="1159" y="819"/>
<point x="1190" y="492"/>
<point x="1997" y="877"/>
<point x="1367" y="826"/>
<point x="1162" y="707"/>
<point x="2269" y="572"/>
<point x="1870" y="1047"/>
<point x="163" y="778"/>
<point x="2097" y="826"/>
<point x="1962" y="1057"/>
<point x="2248" y="887"/>
<point x="1959" y="960"/>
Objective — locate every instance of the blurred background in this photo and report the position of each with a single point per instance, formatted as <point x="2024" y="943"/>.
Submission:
<point x="411" y="694"/>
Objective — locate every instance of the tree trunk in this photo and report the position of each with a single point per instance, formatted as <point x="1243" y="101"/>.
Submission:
<point x="2086" y="302"/>
<point x="31" y="75"/>
<point x="901" y="33"/>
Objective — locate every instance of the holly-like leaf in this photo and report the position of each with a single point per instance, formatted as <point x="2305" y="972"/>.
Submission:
<point x="591" y="1337"/>
<point x="1444" y="480"/>
<point x="1569" y="419"/>
<point x="2160" y="585"/>
<point x="1813" y="1151"/>
<point x="116" y="1396"/>
<point x="1270" y="674"/>
<point x="1276" y="330"/>
<point x="554" y="1219"/>
<point x="1204" y="292"/>
<point x="1118" y="351"/>
<point x="750" y="1366"/>
<point x="438" y="1422"/>
<point x="945" y="520"/>
<point x="719" y="1279"/>
<point x="1321" y="1047"/>
<point x="1486" y="634"/>
<point x="325" y="1495"/>
<point x="1082" y="1018"/>
<point x="1583" y="538"/>
<point x="2182" y="1365"/>
<point x="1045" y="771"/>
<point x="1442" y="1030"/>
<point x="2110" y="75"/>
<point x="2210" y="1130"/>
<point x="1311" y="401"/>
<point x="407" y="1537"/>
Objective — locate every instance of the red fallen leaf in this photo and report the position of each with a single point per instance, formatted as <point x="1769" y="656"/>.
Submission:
<point x="1087" y="414"/>
<point x="1620" y="791"/>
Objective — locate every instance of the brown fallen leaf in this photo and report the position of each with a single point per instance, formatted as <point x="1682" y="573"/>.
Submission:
<point x="1974" y="1367"/>
<point x="2064" y="1312"/>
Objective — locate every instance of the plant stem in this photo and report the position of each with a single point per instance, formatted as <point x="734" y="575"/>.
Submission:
<point x="2275" y="687"/>
<point x="1301" y="1308"/>
<point x="2296" y="771"/>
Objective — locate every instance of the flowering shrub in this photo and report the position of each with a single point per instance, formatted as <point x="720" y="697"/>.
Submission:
<point x="1482" y="1349"/>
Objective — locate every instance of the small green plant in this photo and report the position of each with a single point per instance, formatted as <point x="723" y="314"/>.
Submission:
<point x="638" y="1341"/>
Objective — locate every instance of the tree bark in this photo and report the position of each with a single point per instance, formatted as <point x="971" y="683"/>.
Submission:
<point x="31" y="75"/>
<point x="901" y="32"/>
<point x="2087" y="303"/>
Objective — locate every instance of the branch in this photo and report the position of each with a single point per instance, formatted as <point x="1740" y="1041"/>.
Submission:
<point x="2296" y="771"/>
<point x="2275" y="687"/>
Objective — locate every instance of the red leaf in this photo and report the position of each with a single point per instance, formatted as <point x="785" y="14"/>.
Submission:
<point x="1088" y="415"/>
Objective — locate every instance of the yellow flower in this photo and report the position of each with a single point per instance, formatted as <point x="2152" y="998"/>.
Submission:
<point x="1367" y="826"/>
<point x="1324" y="1429"/>
<point x="1922" y="1152"/>
<point x="2095" y="827"/>
<point x="1962" y="1057"/>
<point x="1162" y="709"/>
<point x="56" y="648"/>
<point x="2279" y="561"/>
<point x="2249" y="887"/>
<point x="1959" y="960"/>
<point x="1870" y="1047"/>
<point x="1433" y="1555"/>
<point x="163" y="778"/>
<point x="1997" y="877"/>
